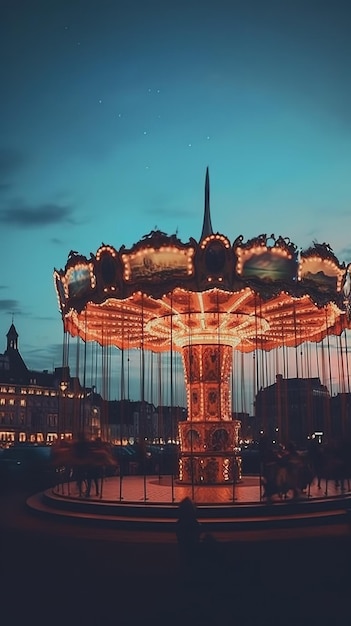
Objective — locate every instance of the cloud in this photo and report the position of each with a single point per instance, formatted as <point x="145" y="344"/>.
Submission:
<point x="45" y="357"/>
<point x="9" y="306"/>
<point x="167" y="212"/>
<point x="43" y="215"/>
<point x="17" y="212"/>
<point x="56" y="241"/>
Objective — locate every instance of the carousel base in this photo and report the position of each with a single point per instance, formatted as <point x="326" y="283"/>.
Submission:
<point x="151" y="503"/>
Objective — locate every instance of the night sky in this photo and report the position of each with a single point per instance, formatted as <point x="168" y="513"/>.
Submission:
<point x="110" y="112"/>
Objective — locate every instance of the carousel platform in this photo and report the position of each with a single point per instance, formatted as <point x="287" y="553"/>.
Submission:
<point x="151" y="503"/>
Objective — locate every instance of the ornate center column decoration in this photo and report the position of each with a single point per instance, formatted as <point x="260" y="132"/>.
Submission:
<point x="209" y="436"/>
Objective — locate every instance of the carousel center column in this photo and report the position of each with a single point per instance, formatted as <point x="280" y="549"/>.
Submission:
<point x="209" y="436"/>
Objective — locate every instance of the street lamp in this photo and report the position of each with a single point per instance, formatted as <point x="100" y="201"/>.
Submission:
<point x="62" y="409"/>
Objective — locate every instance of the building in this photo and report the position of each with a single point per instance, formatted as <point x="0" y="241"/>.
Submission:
<point x="128" y="419"/>
<point x="168" y="419"/>
<point x="41" y="406"/>
<point x="294" y="409"/>
<point x="250" y="427"/>
<point x="340" y="416"/>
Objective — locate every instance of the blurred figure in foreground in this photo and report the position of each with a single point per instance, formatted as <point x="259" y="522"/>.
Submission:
<point x="188" y="530"/>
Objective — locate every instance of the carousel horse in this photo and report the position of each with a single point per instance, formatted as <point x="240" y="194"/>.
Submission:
<point x="61" y="460"/>
<point x="332" y="463"/>
<point x="286" y="472"/>
<point x="84" y="462"/>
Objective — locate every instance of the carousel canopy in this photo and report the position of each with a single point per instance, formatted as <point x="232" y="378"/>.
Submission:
<point x="163" y="293"/>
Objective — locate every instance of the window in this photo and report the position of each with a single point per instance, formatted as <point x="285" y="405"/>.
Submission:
<point x="52" y="419"/>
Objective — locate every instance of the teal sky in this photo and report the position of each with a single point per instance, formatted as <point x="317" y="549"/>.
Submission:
<point x="111" y="110"/>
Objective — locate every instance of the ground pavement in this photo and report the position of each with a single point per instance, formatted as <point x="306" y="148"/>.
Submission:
<point x="55" y="572"/>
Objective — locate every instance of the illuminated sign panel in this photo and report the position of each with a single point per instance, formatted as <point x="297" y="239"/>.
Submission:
<point x="60" y="290"/>
<point x="78" y="280"/>
<point x="325" y="274"/>
<point x="158" y="265"/>
<point x="272" y="264"/>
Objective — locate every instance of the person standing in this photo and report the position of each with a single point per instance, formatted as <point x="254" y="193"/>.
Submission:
<point x="188" y="531"/>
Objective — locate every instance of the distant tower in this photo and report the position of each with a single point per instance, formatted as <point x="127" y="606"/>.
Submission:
<point x="12" y="338"/>
<point x="207" y="226"/>
<point x="17" y="365"/>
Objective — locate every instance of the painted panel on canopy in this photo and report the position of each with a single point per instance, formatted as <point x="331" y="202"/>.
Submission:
<point x="269" y="265"/>
<point x="323" y="273"/>
<point x="60" y="290"/>
<point x="78" y="280"/>
<point x="158" y="265"/>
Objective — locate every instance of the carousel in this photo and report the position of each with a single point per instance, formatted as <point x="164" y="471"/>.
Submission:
<point x="214" y="303"/>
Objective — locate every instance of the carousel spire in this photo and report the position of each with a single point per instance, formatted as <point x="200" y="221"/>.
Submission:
<point x="207" y="226"/>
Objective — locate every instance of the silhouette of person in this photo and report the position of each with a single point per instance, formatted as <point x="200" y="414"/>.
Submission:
<point x="81" y="449"/>
<point x="94" y="470"/>
<point x="188" y="531"/>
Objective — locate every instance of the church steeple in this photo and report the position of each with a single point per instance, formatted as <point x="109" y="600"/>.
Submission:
<point x="12" y="338"/>
<point x="18" y="368"/>
<point x="207" y="226"/>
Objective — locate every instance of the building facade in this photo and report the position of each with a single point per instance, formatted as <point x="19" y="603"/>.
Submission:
<point x="128" y="419"/>
<point x="41" y="406"/>
<point x="294" y="409"/>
